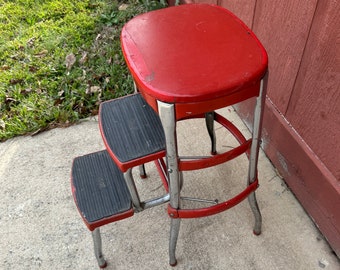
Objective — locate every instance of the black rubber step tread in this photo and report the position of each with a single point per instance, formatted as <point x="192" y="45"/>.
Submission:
<point x="99" y="187"/>
<point x="131" y="128"/>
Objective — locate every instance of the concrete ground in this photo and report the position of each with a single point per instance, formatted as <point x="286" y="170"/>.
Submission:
<point x="41" y="228"/>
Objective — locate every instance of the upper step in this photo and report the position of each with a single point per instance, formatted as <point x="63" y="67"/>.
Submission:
<point x="132" y="131"/>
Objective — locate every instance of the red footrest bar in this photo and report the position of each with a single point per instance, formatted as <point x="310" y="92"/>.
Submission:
<point x="217" y="159"/>
<point x="215" y="209"/>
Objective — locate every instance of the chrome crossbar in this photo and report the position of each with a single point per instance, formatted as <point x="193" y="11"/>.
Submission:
<point x="154" y="202"/>
<point x="200" y="200"/>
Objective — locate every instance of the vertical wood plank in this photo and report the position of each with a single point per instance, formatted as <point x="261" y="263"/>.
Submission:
<point x="314" y="110"/>
<point x="203" y="1"/>
<point x="244" y="9"/>
<point x="282" y="27"/>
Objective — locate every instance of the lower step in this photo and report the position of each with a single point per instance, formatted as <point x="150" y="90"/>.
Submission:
<point x="99" y="190"/>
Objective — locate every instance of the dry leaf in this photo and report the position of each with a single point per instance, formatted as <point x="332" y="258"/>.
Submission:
<point x="123" y="7"/>
<point x="2" y="124"/>
<point x="41" y="53"/>
<point x="30" y="42"/>
<point x="15" y="81"/>
<point x="9" y="100"/>
<point x="32" y="68"/>
<point x="26" y="91"/>
<point x="70" y="60"/>
<point x="94" y="112"/>
<point x="83" y="58"/>
<point x="5" y="67"/>
<point x="58" y="101"/>
<point x="93" y="89"/>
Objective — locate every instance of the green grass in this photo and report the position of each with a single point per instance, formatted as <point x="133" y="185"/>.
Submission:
<point x="59" y="59"/>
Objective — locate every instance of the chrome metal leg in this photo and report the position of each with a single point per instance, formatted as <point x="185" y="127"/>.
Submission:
<point x="180" y="180"/>
<point x="167" y="116"/>
<point x="257" y="214"/>
<point x="209" y="121"/>
<point x="254" y="152"/>
<point x="174" y="231"/>
<point x="97" y="244"/>
<point x="133" y="190"/>
<point x="142" y="172"/>
<point x="135" y="90"/>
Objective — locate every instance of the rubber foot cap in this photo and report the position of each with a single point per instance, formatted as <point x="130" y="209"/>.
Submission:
<point x="173" y="264"/>
<point x="257" y="233"/>
<point x="103" y="265"/>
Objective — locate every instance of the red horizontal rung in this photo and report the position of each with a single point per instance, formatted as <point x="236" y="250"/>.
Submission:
<point x="215" y="209"/>
<point x="214" y="160"/>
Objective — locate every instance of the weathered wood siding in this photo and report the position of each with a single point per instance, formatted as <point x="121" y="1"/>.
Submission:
<point x="314" y="108"/>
